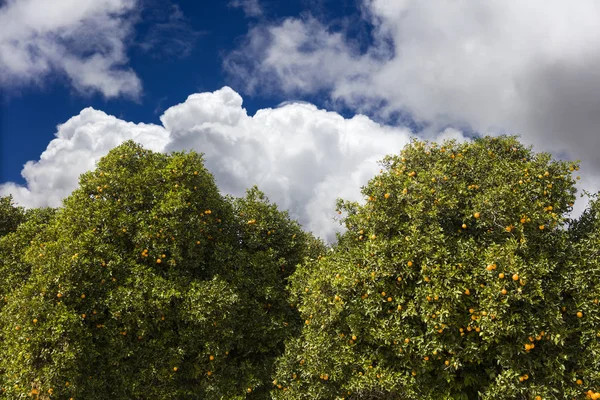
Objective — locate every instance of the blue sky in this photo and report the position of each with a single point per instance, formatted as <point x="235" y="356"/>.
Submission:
<point x="301" y="97"/>
<point x="30" y="114"/>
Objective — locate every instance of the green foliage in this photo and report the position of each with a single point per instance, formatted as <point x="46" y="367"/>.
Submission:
<point x="149" y="284"/>
<point x="10" y="215"/>
<point x="456" y="280"/>
<point x="14" y="268"/>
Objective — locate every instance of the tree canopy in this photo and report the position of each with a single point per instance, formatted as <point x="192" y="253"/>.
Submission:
<point x="456" y="279"/>
<point x="150" y="284"/>
<point x="460" y="276"/>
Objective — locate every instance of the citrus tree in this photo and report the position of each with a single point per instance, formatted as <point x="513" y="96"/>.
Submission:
<point x="10" y="215"/>
<point x="455" y="279"/>
<point x="150" y="284"/>
<point x="581" y="282"/>
<point x="21" y="227"/>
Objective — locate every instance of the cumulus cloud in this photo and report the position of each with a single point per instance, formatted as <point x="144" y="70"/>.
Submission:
<point x="84" y="40"/>
<point x="527" y="68"/>
<point x="302" y="157"/>
<point x="79" y="144"/>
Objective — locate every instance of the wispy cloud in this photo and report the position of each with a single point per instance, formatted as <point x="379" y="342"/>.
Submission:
<point x="251" y="8"/>
<point x="170" y="34"/>
<point x="83" y="41"/>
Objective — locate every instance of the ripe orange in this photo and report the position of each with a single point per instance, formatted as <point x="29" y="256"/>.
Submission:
<point x="579" y="314"/>
<point x="387" y="195"/>
<point x="503" y="291"/>
<point x="501" y="275"/>
<point x="211" y="358"/>
<point x="467" y="292"/>
<point x="410" y="263"/>
<point x="464" y="226"/>
<point x="515" y="277"/>
<point x="158" y="260"/>
<point x="175" y="369"/>
<point x="477" y="215"/>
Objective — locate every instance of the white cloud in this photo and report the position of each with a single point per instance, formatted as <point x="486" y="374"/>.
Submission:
<point x="83" y="40"/>
<point x="529" y="68"/>
<point x="302" y="157"/>
<point x="79" y="144"/>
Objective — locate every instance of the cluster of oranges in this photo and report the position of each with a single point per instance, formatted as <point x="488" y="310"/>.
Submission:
<point x="590" y="394"/>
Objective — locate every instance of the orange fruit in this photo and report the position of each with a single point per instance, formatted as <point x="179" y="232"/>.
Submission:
<point x="477" y="215"/>
<point x="464" y="226"/>
<point x="515" y="277"/>
<point x="579" y="314"/>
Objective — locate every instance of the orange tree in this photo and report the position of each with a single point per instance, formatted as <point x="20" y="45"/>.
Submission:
<point x="455" y="279"/>
<point x="19" y="227"/>
<point x="582" y="298"/>
<point x="150" y="284"/>
<point x="10" y="215"/>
